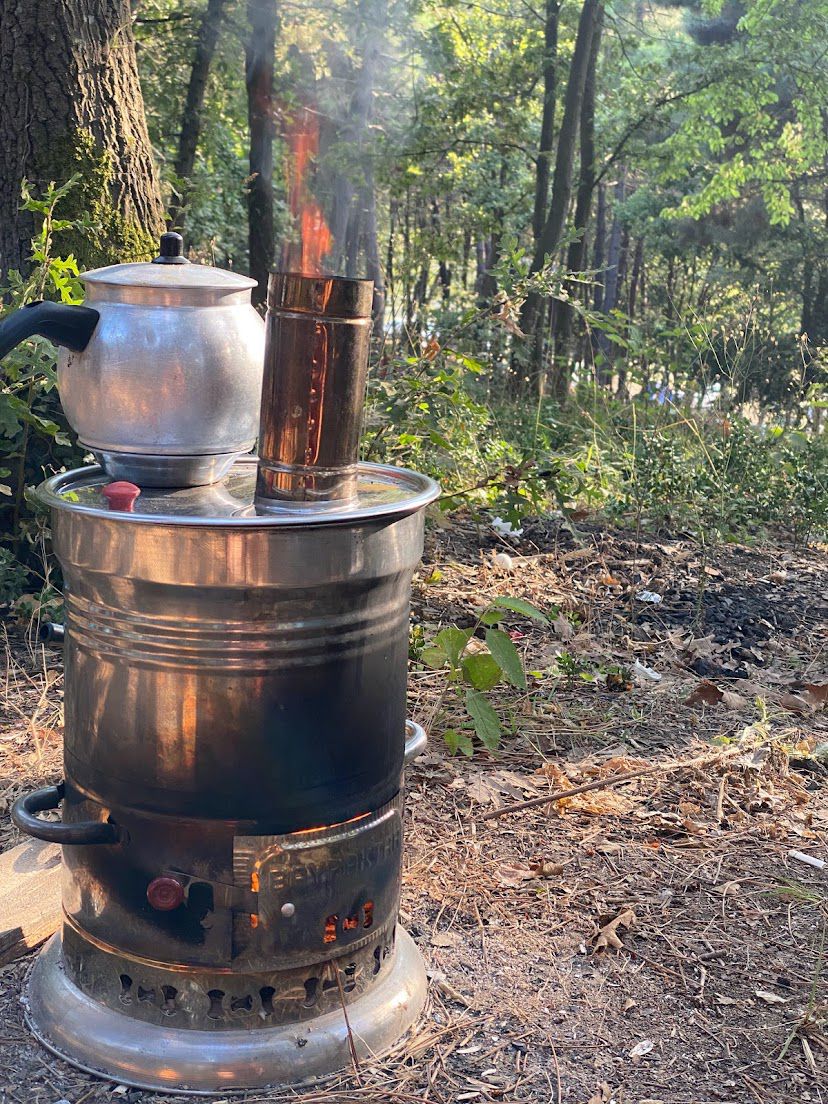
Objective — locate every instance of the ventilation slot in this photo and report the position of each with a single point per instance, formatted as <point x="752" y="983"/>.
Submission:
<point x="311" y="992"/>
<point x="267" y="994"/>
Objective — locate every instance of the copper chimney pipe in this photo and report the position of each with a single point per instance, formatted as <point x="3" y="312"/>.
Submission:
<point x="318" y="332"/>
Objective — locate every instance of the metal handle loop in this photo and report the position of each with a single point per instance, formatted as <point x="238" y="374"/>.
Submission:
<point x="416" y="741"/>
<point x="84" y="832"/>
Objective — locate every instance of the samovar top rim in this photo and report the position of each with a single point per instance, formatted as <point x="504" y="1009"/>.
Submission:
<point x="384" y="492"/>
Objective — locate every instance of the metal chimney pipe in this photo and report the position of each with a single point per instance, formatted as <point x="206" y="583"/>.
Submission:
<point x="318" y="332"/>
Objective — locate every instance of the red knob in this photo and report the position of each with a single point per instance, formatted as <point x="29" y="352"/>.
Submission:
<point x="121" y="495"/>
<point x="165" y="894"/>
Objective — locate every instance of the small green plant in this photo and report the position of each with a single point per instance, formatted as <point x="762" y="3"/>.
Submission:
<point x="473" y="671"/>
<point x="34" y="436"/>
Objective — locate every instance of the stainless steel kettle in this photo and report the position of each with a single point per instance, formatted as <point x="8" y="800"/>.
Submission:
<point x="160" y="374"/>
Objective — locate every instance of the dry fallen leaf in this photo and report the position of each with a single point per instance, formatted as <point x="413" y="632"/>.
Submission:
<point x="608" y="936"/>
<point x="796" y="704"/>
<point x="642" y="1048"/>
<point x="446" y="939"/>
<point x="544" y="868"/>
<point x="704" y="694"/>
<point x="602" y="1094"/>
<point x="479" y="791"/>
<point x="770" y="998"/>
<point x="732" y="700"/>
<point x="512" y="876"/>
<point x="602" y="803"/>
<point x="725" y="1000"/>
<point x="815" y="693"/>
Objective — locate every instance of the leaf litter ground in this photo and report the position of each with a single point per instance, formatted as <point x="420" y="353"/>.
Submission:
<point x="648" y="941"/>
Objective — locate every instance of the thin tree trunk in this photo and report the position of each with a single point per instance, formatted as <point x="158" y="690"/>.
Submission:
<point x="373" y="266"/>
<point x="391" y="269"/>
<point x="632" y="293"/>
<point x="350" y="137"/>
<point x="611" y="281"/>
<point x="576" y="254"/>
<point x="553" y="226"/>
<point x="262" y="17"/>
<point x="191" y="118"/>
<point x="70" y="102"/>
<point x="591" y="342"/>
<point x="547" y="132"/>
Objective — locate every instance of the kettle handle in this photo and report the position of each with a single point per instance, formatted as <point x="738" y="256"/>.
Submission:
<point x="60" y="322"/>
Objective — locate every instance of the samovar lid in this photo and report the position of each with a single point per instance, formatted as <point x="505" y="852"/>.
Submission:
<point x="383" y="491"/>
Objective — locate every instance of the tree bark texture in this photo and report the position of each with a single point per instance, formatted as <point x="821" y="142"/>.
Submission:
<point x="262" y="17"/>
<point x="577" y="252"/>
<point x="191" y="117"/>
<point x="547" y="133"/>
<point x="70" y="103"/>
<point x="550" y="236"/>
<point x="611" y="278"/>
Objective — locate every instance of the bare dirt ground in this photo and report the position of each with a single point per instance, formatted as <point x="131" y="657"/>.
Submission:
<point x="648" y="942"/>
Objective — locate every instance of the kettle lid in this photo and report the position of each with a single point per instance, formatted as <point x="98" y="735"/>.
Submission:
<point x="169" y="270"/>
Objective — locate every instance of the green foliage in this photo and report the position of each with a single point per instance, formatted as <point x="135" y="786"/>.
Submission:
<point x="34" y="436"/>
<point x="471" y="673"/>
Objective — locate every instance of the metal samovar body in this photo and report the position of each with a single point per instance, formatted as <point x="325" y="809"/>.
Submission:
<point x="235" y="738"/>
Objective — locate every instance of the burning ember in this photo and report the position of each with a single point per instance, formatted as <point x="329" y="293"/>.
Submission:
<point x="315" y="238"/>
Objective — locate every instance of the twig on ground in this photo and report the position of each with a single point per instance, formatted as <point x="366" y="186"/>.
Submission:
<point x="612" y="780"/>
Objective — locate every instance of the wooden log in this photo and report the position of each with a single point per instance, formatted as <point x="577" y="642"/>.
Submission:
<point x="29" y="897"/>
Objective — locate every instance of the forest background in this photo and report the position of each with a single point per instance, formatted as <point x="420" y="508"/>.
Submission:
<point x="597" y="231"/>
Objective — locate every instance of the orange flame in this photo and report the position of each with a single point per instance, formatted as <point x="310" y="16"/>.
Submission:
<point x="315" y="238"/>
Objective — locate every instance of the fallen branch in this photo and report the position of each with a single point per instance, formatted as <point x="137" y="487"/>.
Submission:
<point x="612" y="780"/>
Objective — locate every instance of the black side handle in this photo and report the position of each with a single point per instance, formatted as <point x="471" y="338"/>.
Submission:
<point x="60" y="322"/>
<point x="84" y="832"/>
<point x="51" y="633"/>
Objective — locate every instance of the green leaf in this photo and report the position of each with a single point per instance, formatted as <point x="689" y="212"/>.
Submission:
<point x="435" y="658"/>
<point x="506" y="656"/>
<point x="486" y="721"/>
<point x="518" y="605"/>
<point x="453" y="640"/>
<point x="458" y="741"/>
<point x="482" y="671"/>
<point x="9" y="422"/>
<point x="492" y="617"/>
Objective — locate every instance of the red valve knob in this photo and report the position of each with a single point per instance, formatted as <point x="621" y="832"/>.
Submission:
<point x="121" y="495"/>
<point x="165" y="894"/>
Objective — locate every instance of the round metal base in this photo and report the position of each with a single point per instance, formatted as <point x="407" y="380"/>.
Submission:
<point x="114" y="1046"/>
<point x="164" y="471"/>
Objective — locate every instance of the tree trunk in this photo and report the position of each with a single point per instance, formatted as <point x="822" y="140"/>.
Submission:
<point x="373" y="266"/>
<point x="70" y="103"/>
<point x="547" y="133"/>
<point x="350" y="181"/>
<point x="262" y="17"/>
<point x="553" y="227"/>
<point x="611" y="281"/>
<point x="576" y="254"/>
<point x="191" y="117"/>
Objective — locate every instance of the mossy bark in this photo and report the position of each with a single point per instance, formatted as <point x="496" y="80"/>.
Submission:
<point x="70" y="103"/>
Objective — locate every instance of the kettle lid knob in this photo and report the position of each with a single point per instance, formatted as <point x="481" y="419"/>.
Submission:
<point x="121" y="495"/>
<point x="172" y="249"/>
